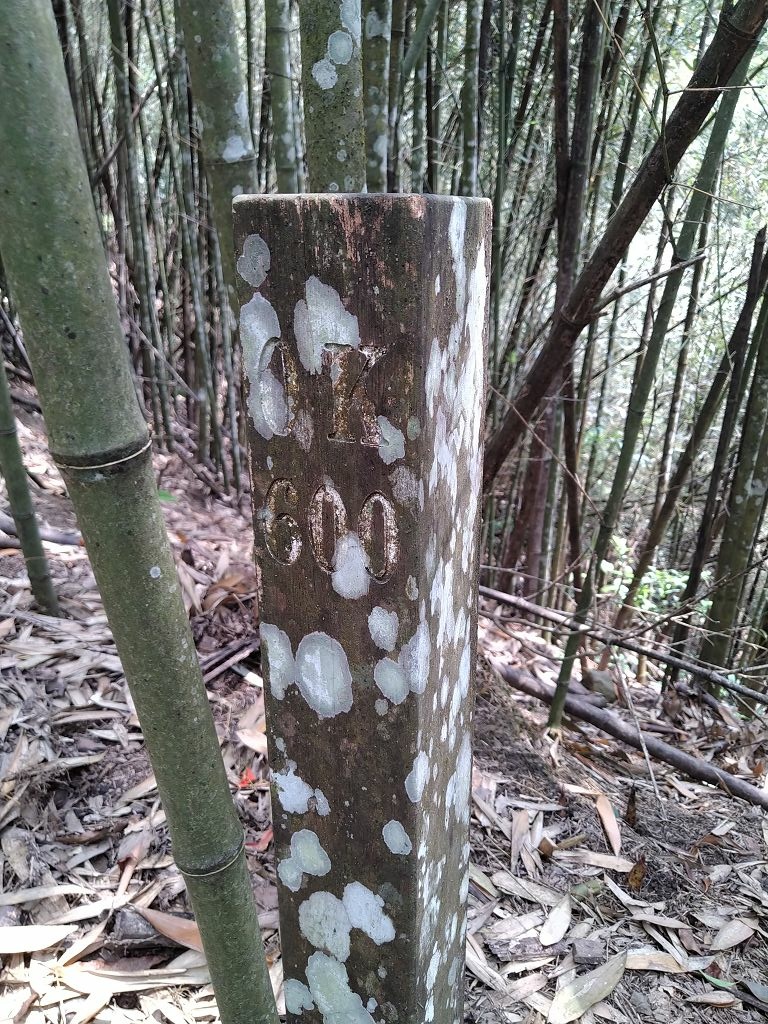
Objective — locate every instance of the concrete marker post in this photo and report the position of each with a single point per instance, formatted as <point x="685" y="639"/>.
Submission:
<point x="363" y="324"/>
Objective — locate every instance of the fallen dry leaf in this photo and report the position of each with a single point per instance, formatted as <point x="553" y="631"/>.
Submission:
<point x="93" y="978"/>
<point x="478" y="965"/>
<point x="610" y="824"/>
<point x="575" y="998"/>
<point x="714" y="998"/>
<point x="29" y="938"/>
<point x="732" y="934"/>
<point x="665" y="963"/>
<point x="637" y="875"/>
<point x="757" y="988"/>
<point x="181" y="929"/>
<point x="595" y="860"/>
<point x="557" y="923"/>
<point x="659" y="921"/>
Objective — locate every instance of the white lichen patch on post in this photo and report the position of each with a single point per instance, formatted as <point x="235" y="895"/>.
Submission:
<point x="329" y="985"/>
<point x="323" y="676"/>
<point x="381" y="707"/>
<point x="391" y="680"/>
<point x="396" y="838"/>
<point x="307" y="857"/>
<point x="324" y="921"/>
<point x="297" y="996"/>
<point x="350" y="576"/>
<point x="392" y="443"/>
<point x="254" y="263"/>
<point x="383" y="627"/>
<point x="267" y="401"/>
<point x="320" y="321"/>
<point x="417" y="777"/>
<point x="458" y="788"/>
<point x="406" y="489"/>
<point x="415" y="656"/>
<point x="279" y="663"/>
<point x="295" y="794"/>
<point x="365" y="911"/>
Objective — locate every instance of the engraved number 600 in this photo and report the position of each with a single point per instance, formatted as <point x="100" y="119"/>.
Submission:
<point x="327" y="524"/>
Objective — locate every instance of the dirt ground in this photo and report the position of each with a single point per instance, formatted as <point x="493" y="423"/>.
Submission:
<point x="604" y="887"/>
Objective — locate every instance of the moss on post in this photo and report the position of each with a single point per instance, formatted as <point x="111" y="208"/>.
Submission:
<point x="362" y="326"/>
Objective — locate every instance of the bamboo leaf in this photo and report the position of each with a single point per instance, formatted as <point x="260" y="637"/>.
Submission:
<point x="181" y="929"/>
<point x="574" y="999"/>
<point x="732" y="934"/>
<point x="610" y="824"/>
<point x="714" y="999"/>
<point x="557" y="923"/>
<point x="30" y="938"/>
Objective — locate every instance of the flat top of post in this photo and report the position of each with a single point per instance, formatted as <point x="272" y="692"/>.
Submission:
<point x="392" y="198"/>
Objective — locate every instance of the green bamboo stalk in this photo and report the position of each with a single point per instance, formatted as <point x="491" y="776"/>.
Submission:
<point x="332" y="80"/>
<point x="139" y="262"/>
<point x="645" y="375"/>
<point x="469" y="95"/>
<point x="250" y="61"/>
<point x="277" y="16"/>
<point x="395" y="88"/>
<point x="220" y="91"/>
<point x="166" y="343"/>
<point x="180" y="164"/>
<point x="437" y="59"/>
<point x="419" y="122"/>
<point x="20" y="501"/>
<point x="57" y="273"/>
<point x="745" y="510"/>
<point x="426" y="14"/>
<point x="231" y="378"/>
<point x="377" y="28"/>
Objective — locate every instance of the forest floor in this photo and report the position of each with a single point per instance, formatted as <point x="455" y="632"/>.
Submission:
<point x="594" y="871"/>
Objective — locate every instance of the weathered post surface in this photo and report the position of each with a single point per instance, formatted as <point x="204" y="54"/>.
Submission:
<point x="362" y="326"/>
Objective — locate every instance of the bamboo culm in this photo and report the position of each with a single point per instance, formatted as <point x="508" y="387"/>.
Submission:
<point x="56" y="271"/>
<point x="20" y="502"/>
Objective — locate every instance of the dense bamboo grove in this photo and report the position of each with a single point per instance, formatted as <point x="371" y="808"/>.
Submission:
<point x="627" y="422"/>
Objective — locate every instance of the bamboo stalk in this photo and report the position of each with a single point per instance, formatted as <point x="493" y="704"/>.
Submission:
<point x="221" y="97"/>
<point x="99" y="440"/>
<point x="277" y="16"/>
<point x="332" y="80"/>
<point x="377" y="29"/>
<point x="20" y="501"/>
